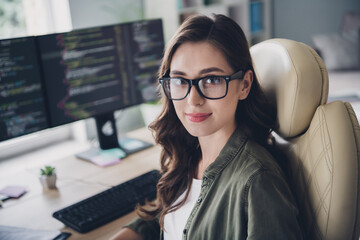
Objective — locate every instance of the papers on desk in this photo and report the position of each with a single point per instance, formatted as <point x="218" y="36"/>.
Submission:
<point x="15" y="233"/>
<point x="13" y="191"/>
<point x="104" y="158"/>
<point x="101" y="157"/>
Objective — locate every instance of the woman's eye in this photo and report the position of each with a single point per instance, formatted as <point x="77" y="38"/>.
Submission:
<point x="178" y="82"/>
<point x="213" y="80"/>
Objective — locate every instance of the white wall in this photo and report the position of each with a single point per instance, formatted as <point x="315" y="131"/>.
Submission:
<point x="92" y="13"/>
<point x="301" y="19"/>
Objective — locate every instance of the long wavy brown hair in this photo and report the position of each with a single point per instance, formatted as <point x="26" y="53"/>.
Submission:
<point x="181" y="152"/>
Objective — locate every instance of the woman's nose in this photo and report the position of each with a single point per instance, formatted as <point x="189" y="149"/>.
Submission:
<point x="194" y="98"/>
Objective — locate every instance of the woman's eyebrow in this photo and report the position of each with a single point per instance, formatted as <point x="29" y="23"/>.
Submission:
<point x="203" y="71"/>
<point x="176" y="72"/>
<point x="212" y="69"/>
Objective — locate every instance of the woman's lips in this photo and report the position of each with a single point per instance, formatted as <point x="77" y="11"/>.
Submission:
<point x="197" y="117"/>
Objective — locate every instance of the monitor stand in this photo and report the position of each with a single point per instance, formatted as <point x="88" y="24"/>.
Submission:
<point x="111" y="149"/>
<point x="106" y="130"/>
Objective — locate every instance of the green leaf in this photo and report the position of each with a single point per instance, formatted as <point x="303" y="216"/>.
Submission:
<point x="47" y="171"/>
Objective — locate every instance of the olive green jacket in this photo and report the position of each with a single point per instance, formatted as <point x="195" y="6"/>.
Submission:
<point x="244" y="195"/>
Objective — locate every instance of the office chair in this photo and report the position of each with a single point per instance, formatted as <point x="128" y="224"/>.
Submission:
<point x="321" y="140"/>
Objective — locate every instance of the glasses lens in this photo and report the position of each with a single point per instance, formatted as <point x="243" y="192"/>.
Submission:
<point x="176" y="88"/>
<point x="213" y="87"/>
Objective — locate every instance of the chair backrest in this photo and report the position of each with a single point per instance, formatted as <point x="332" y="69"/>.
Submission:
<point x="321" y="140"/>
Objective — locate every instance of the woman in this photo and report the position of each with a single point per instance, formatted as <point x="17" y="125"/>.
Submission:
<point x="218" y="181"/>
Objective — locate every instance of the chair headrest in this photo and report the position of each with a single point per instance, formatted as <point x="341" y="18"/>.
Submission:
<point x="294" y="78"/>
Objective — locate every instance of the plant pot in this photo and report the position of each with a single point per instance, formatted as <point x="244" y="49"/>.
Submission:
<point x="48" y="182"/>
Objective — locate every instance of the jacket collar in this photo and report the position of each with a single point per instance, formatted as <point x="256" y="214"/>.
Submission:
<point x="232" y="147"/>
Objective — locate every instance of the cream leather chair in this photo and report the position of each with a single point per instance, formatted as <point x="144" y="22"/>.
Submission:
<point x="321" y="140"/>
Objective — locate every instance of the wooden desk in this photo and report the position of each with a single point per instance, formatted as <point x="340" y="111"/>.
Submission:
<point x="77" y="180"/>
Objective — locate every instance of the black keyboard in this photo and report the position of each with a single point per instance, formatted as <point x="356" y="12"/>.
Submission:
<point x="110" y="204"/>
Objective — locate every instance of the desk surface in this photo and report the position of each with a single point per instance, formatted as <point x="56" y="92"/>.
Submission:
<point x="77" y="180"/>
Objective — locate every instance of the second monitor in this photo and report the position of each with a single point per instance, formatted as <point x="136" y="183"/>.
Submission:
<point x="93" y="72"/>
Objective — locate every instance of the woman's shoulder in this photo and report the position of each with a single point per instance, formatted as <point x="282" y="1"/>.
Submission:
<point x="255" y="159"/>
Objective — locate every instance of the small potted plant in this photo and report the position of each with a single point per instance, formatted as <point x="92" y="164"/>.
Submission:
<point x="48" y="177"/>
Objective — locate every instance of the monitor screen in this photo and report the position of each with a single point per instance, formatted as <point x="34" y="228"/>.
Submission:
<point x="94" y="71"/>
<point x="22" y="107"/>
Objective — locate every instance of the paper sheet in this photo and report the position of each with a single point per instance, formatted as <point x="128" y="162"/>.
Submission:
<point x="16" y="233"/>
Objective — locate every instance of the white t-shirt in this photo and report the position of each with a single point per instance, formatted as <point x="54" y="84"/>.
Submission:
<point x="174" y="222"/>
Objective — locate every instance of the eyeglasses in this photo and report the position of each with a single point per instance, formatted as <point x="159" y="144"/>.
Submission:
<point x="209" y="87"/>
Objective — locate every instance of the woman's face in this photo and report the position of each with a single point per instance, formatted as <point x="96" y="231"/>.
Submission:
<point x="200" y="116"/>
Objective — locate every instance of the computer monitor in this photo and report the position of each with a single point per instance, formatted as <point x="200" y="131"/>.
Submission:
<point x="22" y="106"/>
<point x="93" y="72"/>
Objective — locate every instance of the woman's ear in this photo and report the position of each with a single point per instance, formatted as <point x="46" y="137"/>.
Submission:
<point x="245" y="85"/>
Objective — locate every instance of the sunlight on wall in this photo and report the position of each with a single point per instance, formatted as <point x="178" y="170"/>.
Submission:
<point x="47" y="16"/>
<point x="12" y="19"/>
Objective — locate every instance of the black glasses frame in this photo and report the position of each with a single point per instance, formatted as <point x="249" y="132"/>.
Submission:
<point x="195" y="82"/>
